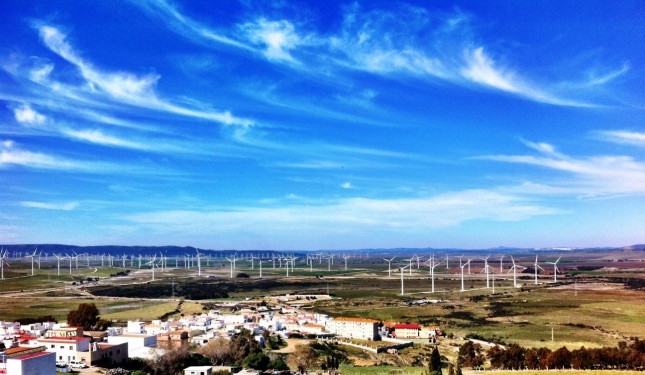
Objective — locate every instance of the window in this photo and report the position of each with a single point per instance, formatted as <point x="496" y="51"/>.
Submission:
<point x="71" y="347"/>
<point x="53" y="346"/>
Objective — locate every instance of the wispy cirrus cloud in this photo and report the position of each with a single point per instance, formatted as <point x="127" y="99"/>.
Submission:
<point x="346" y="217"/>
<point x="64" y="206"/>
<point x="625" y="137"/>
<point x="124" y="87"/>
<point x="390" y="43"/>
<point x="24" y="114"/>
<point x="12" y="155"/>
<point x="591" y="176"/>
<point x="277" y="37"/>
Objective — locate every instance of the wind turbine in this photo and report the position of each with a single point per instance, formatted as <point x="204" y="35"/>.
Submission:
<point x="462" y="274"/>
<point x="447" y="258"/>
<point x="232" y="261"/>
<point x="432" y="266"/>
<point x="199" y="263"/>
<point x="514" y="269"/>
<point x="260" y="261"/>
<point x="501" y="264"/>
<point x="402" y="290"/>
<point x="487" y="270"/>
<point x="32" y="256"/>
<point x="252" y="257"/>
<point x="536" y="266"/>
<point x="70" y="263"/>
<point x="58" y="258"/>
<point x="389" y="266"/>
<point x="3" y="261"/>
<point x="555" y="270"/>
<point x="346" y="257"/>
<point x="152" y="266"/>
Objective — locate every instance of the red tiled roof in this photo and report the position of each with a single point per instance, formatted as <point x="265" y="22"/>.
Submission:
<point x="63" y="338"/>
<point x="34" y="355"/>
<point x="407" y="326"/>
<point x="355" y="320"/>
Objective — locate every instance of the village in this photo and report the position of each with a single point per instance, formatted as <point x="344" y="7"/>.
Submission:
<point x="49" y="347"/>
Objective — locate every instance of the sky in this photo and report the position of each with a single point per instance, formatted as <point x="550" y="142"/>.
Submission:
<point x="322" y="124"/>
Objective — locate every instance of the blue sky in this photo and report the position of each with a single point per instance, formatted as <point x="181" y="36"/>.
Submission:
<point x="322" y="124"/>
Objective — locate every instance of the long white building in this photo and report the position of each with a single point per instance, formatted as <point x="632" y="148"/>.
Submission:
<point x="356" y="328"/>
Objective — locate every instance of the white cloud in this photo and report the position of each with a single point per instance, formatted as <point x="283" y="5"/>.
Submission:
<point x="27" y="115"/>
<point x="12" y="155"/>
<point x="125" y="87"/>
<point x="98" y="137"/>
<point x="387" y="42"/>
<point x="278" y="38"/>
<point x="622" y="137"/>
<point x="67" y="206"/>
<point x="592" y="176"/>
<point x="346" y="185"/>
<point x="480" y="68"/>
<point x="347" y="217"/>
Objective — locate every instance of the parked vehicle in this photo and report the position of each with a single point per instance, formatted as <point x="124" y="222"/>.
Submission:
<point x="78" y="364"/>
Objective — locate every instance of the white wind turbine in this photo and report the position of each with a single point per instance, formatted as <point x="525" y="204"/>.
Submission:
<point x="199" y="263"/>
<point x="232" y="261"/>
<point x="487" y="270"/>
<point x="389" y="266"/>
<point x="3" y="261"/>
<point x="345" y="257"/>
<point x="252" y="258"/>
<point x="514" y="269"/>
<point x="462" y="274"/>
<point x="501" y="264"/>
<point x="432" y="266"/>
<point x="58" y="258"/>
<point x="403" y="290"/>
<point x="447" y="259"/>
<point x="70" y="262"/>
<point x="536" y="266"/>
<point x="33" y="257"/>
<point x="260" y="261"/>
<point x="555" y="270"/>
<point x="152" y="266"/>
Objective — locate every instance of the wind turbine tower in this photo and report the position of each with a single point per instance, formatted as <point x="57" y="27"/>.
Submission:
<point x="3" y="261"/>
<point x="514" y="269"/>
<point x="555" y="270"/>
<point x="462" y="274"/>
<point x="402" y="289"/>
<point x="432" y="265"/>
<point x="536" y="266"/>
<point x="389" y="266"/>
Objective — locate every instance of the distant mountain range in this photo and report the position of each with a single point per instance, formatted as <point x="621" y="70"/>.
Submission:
<point x="181" y="251"/>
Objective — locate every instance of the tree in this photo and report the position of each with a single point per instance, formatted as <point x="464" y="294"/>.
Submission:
<point x="458" y="369"/>
<point x="278" y="364"/>
<point x="243" y="344"/>
<point x="218" y="351"/>
<point x="86" y="316"/>
<point x="470" y="355"/>
<point x="302" y="358"/>
<point x="435" y="362"/>
<point x="171" y="362"/>
<point x="257" y="361"/>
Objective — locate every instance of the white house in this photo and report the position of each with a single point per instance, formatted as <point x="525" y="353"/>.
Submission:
<point x="139" y="345"/>
<point x="198" y="370"/>
<point x="38" y="363"/>
<point x="354" y="328"/>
